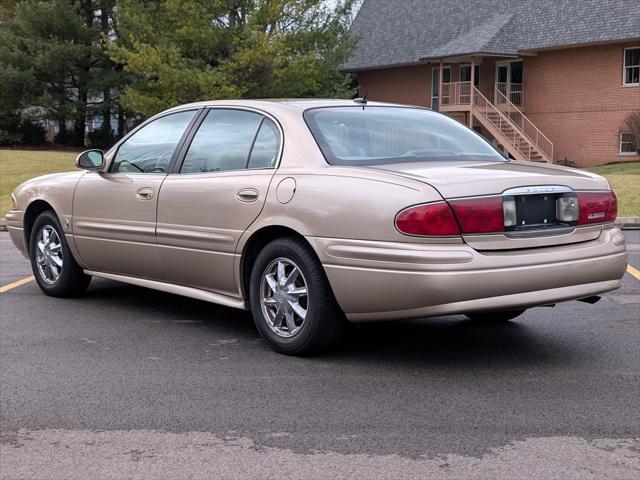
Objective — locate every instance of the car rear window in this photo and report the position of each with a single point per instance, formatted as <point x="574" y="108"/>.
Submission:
<point x="376" y="135"/>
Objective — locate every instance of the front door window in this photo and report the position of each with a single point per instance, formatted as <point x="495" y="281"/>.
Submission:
<point x="150" y="149"/>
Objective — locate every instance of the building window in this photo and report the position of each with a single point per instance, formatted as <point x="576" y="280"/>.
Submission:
<point x="465" y="74"/>
<point x="627" y="144"/>
<point x="632" y="66"/>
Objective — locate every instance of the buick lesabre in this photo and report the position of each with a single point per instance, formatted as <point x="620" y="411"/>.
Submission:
<point x="310" y="213"/>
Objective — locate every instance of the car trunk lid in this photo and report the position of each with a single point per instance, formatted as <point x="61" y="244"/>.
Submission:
<point x="534" y="189"/>
<point x="465" y="179"/>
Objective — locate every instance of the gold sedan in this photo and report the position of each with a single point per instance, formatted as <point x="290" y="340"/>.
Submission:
<point x="310" y="213"/>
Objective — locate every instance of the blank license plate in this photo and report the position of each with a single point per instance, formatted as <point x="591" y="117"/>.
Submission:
<point x="535" y="210"/>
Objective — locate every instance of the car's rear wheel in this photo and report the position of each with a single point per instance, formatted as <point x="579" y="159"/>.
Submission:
<point x="494" y="317"/>
<point x="292" y="303"/>
<point x="54" y="268"/>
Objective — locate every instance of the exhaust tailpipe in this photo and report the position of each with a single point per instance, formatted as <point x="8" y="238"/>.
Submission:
<point x="590" y="300"/>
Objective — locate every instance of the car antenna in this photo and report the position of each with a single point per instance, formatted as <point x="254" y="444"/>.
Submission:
<point x="362" y="100"/>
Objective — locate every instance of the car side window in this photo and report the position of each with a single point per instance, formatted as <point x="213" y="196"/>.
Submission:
<point x="150" y="149"/>
<point x="266" y="147"/>
<point x="223" y="141"/>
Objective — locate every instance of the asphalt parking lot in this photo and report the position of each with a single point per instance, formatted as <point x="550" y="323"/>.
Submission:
<point x="126" y="382"/>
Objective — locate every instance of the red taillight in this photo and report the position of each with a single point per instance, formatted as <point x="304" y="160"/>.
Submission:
<point x="487" y="215"/>
<point x="597" y="207"/>
<point x="479" y="215"/>
<point x="612" y="213"/>
<point x="432" y="219"/>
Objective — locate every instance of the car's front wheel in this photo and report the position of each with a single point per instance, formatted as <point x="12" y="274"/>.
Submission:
<point x="292" y="303"/>
<point x="494" y="317"/>
<point x="55" y="269"/>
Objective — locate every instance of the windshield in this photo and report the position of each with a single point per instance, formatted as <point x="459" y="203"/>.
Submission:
<point x="383" y="135"/>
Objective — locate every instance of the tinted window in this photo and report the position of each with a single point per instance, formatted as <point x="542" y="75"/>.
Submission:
<point x="266" y="147"/>
<point x="382" y="135"/>
<point x="516" y="72"/>
<point x="150" y="149"/>
<point x="465" y="74"/>
<point x="223" y="141"/>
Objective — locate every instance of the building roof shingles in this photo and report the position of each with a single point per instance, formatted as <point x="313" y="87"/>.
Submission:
<point x="408" y="31"/>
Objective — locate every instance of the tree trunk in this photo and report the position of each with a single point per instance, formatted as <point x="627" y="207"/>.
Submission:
<point x="106" y="94"/>
<point x="80" y="121"/>
<point x="80" y="118"/>
<point x="121" y="123"/>
<point x="62" y="136"/>
<point x="234" y="6"/>
<point x="106" y="111"/>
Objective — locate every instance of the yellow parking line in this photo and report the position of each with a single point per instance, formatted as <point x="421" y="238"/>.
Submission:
<point x="11" y="286"/>
<point x="633" y="271"/>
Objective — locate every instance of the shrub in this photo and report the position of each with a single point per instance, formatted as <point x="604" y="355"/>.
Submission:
<point x="22" y="132"/>
<point x="632" y="125"/>
<point x="101" y="138"/>
<point x="63" y="137"/>
<point x="32" y="133"/>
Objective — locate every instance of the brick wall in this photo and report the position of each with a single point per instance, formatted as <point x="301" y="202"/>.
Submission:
<point x="406" y="85"/>
<point x="575" y="96"/>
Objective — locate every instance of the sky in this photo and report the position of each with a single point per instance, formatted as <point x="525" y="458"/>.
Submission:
<point x="355" y="8"/>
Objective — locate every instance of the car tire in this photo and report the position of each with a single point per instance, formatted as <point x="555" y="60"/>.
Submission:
<point x="54" y="268"/>
<point x="494" y="317"/>
<point x="292" y="322"/>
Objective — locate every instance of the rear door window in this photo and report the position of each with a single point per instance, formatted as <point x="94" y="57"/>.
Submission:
<point x="225" y="141"/>
<point x="266" y="147"/>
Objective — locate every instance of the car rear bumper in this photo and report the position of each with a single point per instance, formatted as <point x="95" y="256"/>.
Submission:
<point x="386" y="281"/>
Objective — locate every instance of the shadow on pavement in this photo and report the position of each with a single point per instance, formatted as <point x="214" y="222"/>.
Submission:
<point x="449" y="342"/>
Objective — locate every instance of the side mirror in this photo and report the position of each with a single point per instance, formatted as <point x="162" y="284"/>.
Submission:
<point x="90" y="160"/>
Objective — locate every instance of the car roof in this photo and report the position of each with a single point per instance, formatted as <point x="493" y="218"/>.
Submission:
<point x="299" y="104"/>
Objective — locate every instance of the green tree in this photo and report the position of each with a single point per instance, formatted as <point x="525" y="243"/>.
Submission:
<point x="179" y="51"/>
<point x="52" y="55"/>
<point x="16" y="77"/>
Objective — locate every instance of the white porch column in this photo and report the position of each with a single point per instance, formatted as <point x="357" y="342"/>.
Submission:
<point x="441" y="74"/>
<point x="473" y="82"/>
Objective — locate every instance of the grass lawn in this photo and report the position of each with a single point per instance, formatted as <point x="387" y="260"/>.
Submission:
<point x="16" y="166"/>
<point x="625" y="181"/>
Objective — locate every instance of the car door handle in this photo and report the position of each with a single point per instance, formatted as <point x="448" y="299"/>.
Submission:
<point x="145" y="193"/>
<point x="247" y="195"/>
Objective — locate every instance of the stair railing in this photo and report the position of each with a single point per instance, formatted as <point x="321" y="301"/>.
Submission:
<point x="513" y="91"/>
<point x="533" y="133"/>
<point x="482" y="105"/>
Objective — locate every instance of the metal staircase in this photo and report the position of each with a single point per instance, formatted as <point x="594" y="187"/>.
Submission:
<point x="510" y="127"/>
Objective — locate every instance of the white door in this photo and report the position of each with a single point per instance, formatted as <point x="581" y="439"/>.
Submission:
<point x="509" y="80"/>
<point x="435" y="86"/>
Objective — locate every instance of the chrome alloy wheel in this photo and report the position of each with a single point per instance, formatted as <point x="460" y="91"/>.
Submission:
<point x="284" y="297"/>
<point x="49" y="254"/>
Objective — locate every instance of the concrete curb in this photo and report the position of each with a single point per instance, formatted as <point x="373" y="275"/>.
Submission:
<point x="628" y="223"/>
<point x="625" y="223"/>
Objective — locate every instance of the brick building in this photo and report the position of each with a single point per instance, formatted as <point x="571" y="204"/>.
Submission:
<point x="546" y="80"/>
